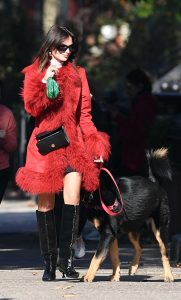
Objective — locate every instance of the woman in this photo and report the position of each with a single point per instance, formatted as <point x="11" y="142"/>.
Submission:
<point x="70" y="168"/>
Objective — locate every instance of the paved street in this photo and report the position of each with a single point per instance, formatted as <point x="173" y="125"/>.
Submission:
<point x="21" y="266"/>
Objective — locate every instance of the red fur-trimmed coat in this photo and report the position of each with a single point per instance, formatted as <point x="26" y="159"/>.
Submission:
<point x="44" y="174"/>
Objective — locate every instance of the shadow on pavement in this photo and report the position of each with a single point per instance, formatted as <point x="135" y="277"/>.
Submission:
<point x="20" y="251"/>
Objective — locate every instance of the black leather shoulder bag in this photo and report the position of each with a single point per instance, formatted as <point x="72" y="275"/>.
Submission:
<point x="49" y="141"/>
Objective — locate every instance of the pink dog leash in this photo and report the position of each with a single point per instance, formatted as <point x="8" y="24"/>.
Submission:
<point x="108" y="209"/>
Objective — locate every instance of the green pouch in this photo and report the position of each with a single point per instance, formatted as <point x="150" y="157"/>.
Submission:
<point x="52" y="88"/>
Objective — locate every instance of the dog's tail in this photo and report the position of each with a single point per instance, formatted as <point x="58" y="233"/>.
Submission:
<point x="159" y="165"/>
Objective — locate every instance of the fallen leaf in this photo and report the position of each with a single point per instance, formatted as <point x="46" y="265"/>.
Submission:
<point x="67" y="287"/>
<point x="70" y="295"/>
<point x="60" y="287"/>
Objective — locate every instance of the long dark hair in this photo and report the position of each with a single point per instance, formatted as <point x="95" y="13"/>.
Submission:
<point x="55" y="36"/>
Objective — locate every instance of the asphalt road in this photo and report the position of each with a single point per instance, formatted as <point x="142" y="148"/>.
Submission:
<point x="21" y="266"/>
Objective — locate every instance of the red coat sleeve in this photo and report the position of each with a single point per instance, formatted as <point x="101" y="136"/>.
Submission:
<point x="34" y="91"/>
<point x="97" y="142"/>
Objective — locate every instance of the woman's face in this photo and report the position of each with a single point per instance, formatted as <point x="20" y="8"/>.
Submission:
<point x="64" y="50"/>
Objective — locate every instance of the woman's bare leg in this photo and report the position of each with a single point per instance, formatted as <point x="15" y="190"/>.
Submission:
<point x="46" y="202"/>
<point x="71" y="191"/>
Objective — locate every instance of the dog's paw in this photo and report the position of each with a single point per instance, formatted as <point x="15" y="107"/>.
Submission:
<point x="87" y="278"/>
<point x="132" y="270"/>
<point x="169" y="278"/>
<point x="131" y="273"/>
<point x="115" y="278"/>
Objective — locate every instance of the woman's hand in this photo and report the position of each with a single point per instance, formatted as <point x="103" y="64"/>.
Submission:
<point x="50" y="72"/>
<point x="99" y="160"/>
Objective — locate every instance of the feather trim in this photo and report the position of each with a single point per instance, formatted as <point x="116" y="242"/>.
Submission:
<point x="98" y="144"/>
<point x="34" y="91"/>
<point x="38" y="183"/>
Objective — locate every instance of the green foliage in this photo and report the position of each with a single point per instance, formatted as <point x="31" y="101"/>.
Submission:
<point x="154" y="42"/>
<point x="16" y="48"/>
<point x="144" y="9"/>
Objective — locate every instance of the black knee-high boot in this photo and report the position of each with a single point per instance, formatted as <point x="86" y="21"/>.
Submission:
<point x="48" y="243"/>
<point x="68" y="234"/>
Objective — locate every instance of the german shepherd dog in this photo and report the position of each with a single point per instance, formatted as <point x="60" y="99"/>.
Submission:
<point x="145" y="201"/>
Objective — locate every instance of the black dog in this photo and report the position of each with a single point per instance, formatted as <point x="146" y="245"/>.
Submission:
<point x="145" y="201"/>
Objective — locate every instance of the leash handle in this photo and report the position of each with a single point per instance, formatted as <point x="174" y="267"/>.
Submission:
<point x="107" y="210"/>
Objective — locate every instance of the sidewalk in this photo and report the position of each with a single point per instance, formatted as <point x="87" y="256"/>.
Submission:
<point x="18" y="216"/>
<point x="21" y="266"/>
